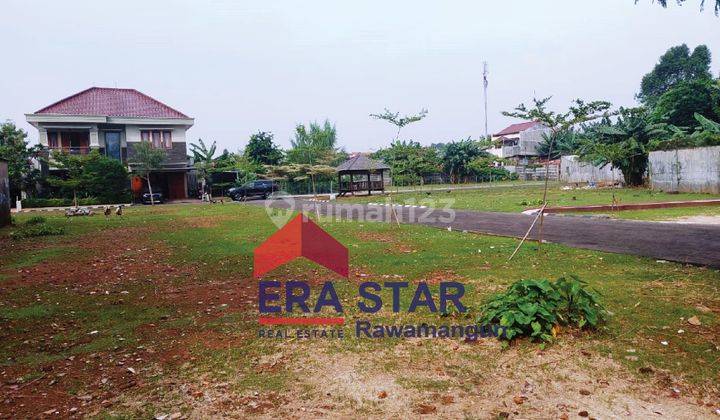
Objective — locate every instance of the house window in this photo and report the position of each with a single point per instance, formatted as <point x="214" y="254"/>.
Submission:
<point x="160" y="139"/>
<point x="53" y="140"/>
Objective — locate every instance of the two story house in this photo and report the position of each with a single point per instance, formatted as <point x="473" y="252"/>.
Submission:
<point x="113" y="121"/>
<point x="519" y="142"/>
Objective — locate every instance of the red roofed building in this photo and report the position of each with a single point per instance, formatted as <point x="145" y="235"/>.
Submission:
<point x="112" y="121"/>
<point x="519" y="141"/>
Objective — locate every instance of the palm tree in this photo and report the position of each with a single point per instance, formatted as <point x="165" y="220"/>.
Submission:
<point x="203" y="157"/>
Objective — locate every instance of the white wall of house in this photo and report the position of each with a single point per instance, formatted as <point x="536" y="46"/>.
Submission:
<point x="132" y="132"/>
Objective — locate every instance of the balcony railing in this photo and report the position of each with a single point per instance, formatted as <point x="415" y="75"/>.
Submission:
<point x="82" y="150"/>
<point x="508" y="151"/>
<point x="361" y="185"/>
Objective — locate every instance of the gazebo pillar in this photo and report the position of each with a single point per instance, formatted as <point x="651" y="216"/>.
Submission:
<point x="369" y="184"/>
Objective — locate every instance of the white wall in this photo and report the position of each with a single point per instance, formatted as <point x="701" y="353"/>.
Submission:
<point x="132" y="132"/>
<point x="573" y="170"/>
<point x="686" y="170"/>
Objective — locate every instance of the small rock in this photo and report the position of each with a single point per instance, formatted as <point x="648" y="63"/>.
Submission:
<point x="664" y="343"/>
<point x="583" y="413"/>
<point x="131" y="370"/>
<point x="702" y="308"/>
<point x="646" y="369"/>
<point x="694" y="320"/>
<point x="382" y="394"/>
<point x="518" y="399"/>
<point x="47" y="413"/>
<point x="584" y="392"/>
<point x="93" y="332"/>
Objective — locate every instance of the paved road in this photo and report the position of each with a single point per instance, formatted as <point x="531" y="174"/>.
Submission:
<point x="695" y="244"/>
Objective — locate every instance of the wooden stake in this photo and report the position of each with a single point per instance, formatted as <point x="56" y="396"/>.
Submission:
<point x="542" y="210"/>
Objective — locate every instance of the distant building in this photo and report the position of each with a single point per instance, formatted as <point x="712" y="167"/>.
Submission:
<point x="113" y="121"/>
<point x="519" y="142"/>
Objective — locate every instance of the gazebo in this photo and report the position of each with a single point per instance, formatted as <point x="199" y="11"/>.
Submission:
<point x="360" y="173"/>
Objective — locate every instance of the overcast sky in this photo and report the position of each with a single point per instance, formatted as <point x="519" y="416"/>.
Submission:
<point x="242" y="66"/>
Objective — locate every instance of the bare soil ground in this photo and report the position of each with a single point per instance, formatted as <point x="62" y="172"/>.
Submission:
<point x="195" y="357"/>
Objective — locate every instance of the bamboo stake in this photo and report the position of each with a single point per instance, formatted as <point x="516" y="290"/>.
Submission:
<point x="542" y="210"/>
<point x="392" y="209"/>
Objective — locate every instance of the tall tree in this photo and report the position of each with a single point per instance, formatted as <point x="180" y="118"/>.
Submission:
<point x="677" y="65"/>
<point x="680" y="103"/>
<point x="147" y="159"/>
<point x="409" y="161"/>
<point x="14" y="149"/>
<point x="457" y="155"/>
<point x="261" y="149"/>
<point x="395" y="119"/>
<point x="315" y="145"/>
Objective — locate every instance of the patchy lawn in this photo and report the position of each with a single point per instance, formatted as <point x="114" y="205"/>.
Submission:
<point x="155" y="313"/>
<point x="523" y="196"/>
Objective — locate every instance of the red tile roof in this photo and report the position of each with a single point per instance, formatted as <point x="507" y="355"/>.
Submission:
<point x="112" y="102"/>
<point x="516" y="128"/>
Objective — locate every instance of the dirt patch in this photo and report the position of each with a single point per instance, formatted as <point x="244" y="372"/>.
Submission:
<point x="395" y="244"/>
<point x="450" y="379"/>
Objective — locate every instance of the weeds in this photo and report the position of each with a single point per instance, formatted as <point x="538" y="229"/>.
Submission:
<point x="536" y="308"/>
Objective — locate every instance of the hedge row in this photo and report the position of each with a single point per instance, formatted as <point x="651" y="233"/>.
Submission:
<point x="66" y="202"/>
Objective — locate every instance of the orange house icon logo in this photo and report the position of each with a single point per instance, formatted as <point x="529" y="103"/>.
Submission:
<point x="300" y="237"/>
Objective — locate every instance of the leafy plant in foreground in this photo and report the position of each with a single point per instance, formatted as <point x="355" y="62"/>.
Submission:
<point x="536" y="308"/>
<point x="37" y="229"/>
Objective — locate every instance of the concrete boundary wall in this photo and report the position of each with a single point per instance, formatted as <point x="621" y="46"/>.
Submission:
<point x="572" y="170"/>
<point x="686" y="170"/>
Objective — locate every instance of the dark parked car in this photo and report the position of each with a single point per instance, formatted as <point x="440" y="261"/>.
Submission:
<point x="254" y="188"/>
<point x="157" y="198"/>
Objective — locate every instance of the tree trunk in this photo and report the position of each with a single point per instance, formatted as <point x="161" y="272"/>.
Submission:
<point x="152" y="199"/>
<point x="634" y="172"/>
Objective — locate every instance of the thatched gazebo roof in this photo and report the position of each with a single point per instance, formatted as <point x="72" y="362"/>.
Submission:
<point x="361" y="163"/>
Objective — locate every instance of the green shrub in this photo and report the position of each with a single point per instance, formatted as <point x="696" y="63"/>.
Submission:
<point x="537" y="202"/>
<point x="33" y="230"/>
<point x="35" y="220"/>
<point x="536" y="308"/>
<point x="59" y="202"/>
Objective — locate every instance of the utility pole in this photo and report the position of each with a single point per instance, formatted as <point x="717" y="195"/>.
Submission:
<point x="485" y="85"/>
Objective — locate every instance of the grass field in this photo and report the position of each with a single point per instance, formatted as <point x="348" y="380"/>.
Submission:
<point x="518" y="197"/>
<point x="156" y="314"/>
